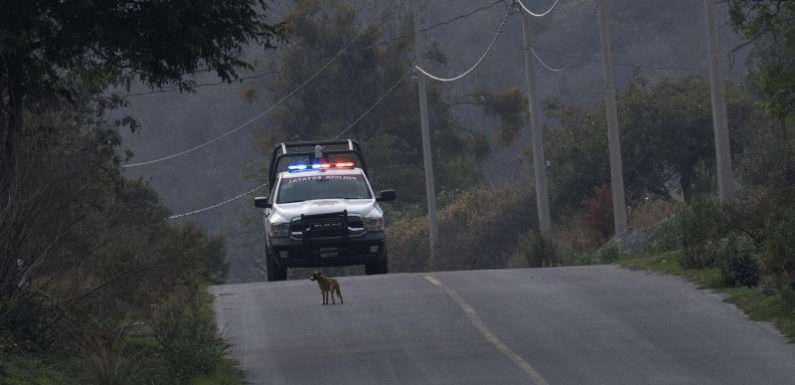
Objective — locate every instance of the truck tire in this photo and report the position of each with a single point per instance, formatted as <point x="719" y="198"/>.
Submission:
<point x="379" y="266"/>
<point x="275" y="272"/>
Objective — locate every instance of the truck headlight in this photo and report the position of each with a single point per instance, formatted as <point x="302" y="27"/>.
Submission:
<point x="280" y="230"/>
<point x="374" y="224"/>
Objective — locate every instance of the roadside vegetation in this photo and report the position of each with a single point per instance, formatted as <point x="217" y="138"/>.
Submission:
<point x="745" y="249"/>
<point x="97" y="286"/>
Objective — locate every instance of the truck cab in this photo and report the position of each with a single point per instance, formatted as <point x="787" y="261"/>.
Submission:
<point x="322" y="210"/>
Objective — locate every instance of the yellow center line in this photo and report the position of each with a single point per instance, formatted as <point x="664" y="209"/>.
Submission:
<point x="488" y="334"/>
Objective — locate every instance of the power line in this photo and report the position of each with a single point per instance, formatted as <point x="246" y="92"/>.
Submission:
<point x="256" y="117"/>
<point x="542" y="14"/>
<point x="471" y="69"/>
<point x="442" y="23"/>
<point x="219" y="204"/>
<point x="201" y="85"/>
<point x="372" y="107"/>
<point x="624" y="64"/>
<point x="544" y="64"/>
<point x="462" y="16"/>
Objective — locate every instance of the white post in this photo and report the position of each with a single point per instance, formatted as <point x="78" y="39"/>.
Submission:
<point x="536" y="135"/>
<point x="427" y="154"/>
<point x="726" y="186"/>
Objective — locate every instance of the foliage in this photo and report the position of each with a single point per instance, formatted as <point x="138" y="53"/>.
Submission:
<point x="739" y="265"/>
<point x="700" y="227"/>
<point x="92" y="253"/>
<point x="56" y="50"/>
<point x="577" y="152"/>
<point x="367" y="69"/>
<point x="480" y="228"/>
<point x="537" y="251"/>
<point x="768" y="25"/>
<point x="780" y="254"/>
<point x="187" y="336"/>
<point x="508" y="105"/>
<point x="597" y="212"/>
<point x="666" y="135"/>
<point x="610" y="253"/>
<point x="31" y="369"/>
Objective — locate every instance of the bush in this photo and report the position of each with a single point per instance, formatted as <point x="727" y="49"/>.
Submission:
<point x="780" y="251"/>
<point x="478" y="229"/>
<point x="537" y="251"/>
<point x="610" y="253"/>
<point x="739" y="265"/>
<point x="598" y="212"/>
<point x="700" y="224"/>
<point x="187" y="337"/>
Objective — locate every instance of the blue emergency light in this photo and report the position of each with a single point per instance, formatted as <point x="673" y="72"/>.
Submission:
<point x="298" y="167"/>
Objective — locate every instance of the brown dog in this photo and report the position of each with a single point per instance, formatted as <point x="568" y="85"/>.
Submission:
<point x="327" y="286"/>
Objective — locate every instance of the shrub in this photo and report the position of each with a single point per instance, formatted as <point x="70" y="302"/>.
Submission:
<point x="478" y="229"/>
<point x="184" y="328"/>
<point x="739" y="265"/>
<point x="537" y="251"/>
<point x="698" y="224"/>
<point x="609" y="253"/>
<point x="780" y="251"/>
<point x="598" y="212"/>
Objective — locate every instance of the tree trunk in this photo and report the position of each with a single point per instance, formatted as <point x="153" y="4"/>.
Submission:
<point x="11" y="107"/>
<point x="685" y="180"/>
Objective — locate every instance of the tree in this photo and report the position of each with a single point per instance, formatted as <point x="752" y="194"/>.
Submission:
<point x="47" y="47"/>
<point x="350" y="85"/>
<point x="666" y="134"/>
<point x="768" y="26"/>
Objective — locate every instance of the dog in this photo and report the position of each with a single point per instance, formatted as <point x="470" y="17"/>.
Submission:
<point x="327" y="286"/>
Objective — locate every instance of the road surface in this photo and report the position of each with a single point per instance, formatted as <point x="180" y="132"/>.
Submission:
<point x="569" y="326"/>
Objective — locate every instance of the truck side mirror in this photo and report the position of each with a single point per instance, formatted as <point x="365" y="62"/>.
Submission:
<point x="262" y="202"/>
<point x="386" y="196"/>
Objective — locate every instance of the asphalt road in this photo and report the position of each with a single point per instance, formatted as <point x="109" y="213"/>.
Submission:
<point x="570" y="326"/>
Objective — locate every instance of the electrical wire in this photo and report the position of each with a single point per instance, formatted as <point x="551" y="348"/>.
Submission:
<point x="201" y="85"/>
<point x="372" y="107"/>
<point x="542" y="14"/>
<point x="439" y="24"/>
<point x="219" y="204"/>
<point x="497" y="35"/>
<point x="256" y="117"/>
<point x="544" y="64"/>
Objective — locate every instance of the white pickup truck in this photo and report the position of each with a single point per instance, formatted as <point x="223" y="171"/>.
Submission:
<point x="322" y="210"/>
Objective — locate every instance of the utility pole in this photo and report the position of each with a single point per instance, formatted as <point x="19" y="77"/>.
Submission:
<point x="613" y="136"/>
<point x="536" y="134"/>
<point x="427" y="154"/>
<point x="720" y="125"/>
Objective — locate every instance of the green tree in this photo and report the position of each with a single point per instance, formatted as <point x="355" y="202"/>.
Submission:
<point x="351" y="84"/>
<point x="48" y="47"/>
<point x="768" y="25"/>
<point x="666" y="134"/>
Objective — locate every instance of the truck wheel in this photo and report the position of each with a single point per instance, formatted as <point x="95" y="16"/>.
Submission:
<point x="275" y="272"/>
<point x="378" y="266"/>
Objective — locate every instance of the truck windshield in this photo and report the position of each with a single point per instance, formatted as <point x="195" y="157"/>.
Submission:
<point x="306" y="188"/>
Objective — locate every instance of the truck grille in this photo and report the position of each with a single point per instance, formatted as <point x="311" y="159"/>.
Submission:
<point x="325" y="225"/>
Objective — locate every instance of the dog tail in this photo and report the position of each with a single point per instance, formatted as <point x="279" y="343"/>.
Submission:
<point x="339" y="293"/>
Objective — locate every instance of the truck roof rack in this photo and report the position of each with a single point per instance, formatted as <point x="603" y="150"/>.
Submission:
<point x="306" y="151"/>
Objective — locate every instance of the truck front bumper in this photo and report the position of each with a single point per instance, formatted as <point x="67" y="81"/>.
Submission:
<point x="332" y="251"/>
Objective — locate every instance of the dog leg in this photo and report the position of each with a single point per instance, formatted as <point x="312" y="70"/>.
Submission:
<point x="339" y="294"/>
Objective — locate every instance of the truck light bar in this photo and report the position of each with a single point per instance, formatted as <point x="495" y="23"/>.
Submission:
<point x="319" y="166"/>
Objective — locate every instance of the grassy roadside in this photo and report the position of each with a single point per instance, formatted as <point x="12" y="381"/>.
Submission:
<point x="184" y="349"/>
<point x="758" y="303"/>
<point x="18" y="369"/>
